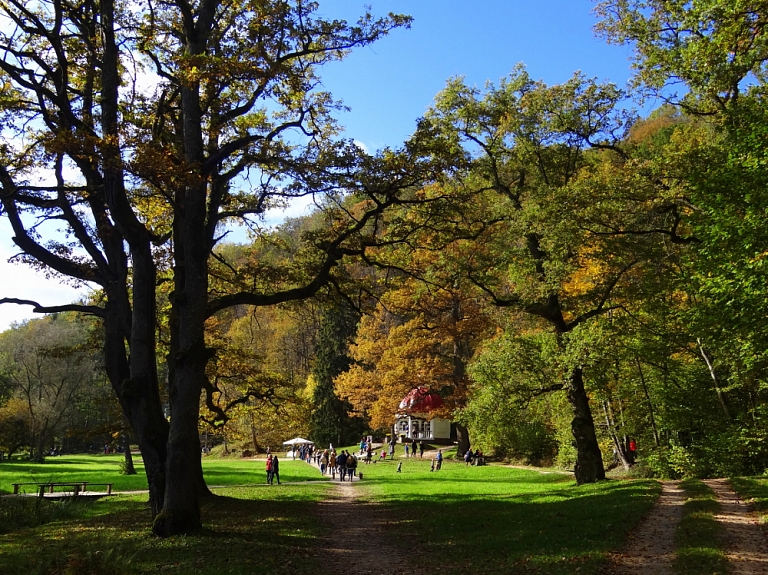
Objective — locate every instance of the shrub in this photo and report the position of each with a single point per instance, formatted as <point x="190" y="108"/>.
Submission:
<point x="19" y="512"/>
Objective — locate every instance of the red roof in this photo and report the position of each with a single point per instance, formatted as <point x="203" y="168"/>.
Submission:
<point x="421" y="400"/>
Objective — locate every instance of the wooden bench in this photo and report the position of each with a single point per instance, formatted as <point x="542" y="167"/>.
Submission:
<point x="77" y="487"/>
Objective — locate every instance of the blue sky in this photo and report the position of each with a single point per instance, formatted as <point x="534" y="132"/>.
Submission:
<point x="391" y="83"/>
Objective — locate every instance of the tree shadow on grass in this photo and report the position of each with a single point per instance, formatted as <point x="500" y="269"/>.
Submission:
<point x="554" y="531"/>
<point x="241" y="536"/>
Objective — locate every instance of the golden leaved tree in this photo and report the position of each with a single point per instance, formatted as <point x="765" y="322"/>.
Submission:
<point x="419" y="335"/>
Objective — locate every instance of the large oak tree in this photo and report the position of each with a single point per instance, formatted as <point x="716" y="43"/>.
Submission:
<point x="134" y="134"/>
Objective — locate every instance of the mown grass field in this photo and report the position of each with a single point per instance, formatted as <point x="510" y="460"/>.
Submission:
<point x="467" y="520"/>
<point x="106" y="469"/>
<point x="497" y="519"/>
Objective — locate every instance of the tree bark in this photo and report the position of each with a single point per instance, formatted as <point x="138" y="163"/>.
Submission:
<point x="589" y="463"/>
<point x="133" y="378"/>
<point x="189" y="355"/>
<point x="462" y="439"/>
<point x="40" y="452"/>
<point x="128" y="468"/>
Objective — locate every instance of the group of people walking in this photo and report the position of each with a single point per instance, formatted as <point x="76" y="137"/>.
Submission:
<point x="345" y="463"/>
<point x="305" y="452"/>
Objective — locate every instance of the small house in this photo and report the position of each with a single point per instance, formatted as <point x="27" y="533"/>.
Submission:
<point x="413" y="421"/>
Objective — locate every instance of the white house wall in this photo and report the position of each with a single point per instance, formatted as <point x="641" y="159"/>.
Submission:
<point x="441" y="428"/>
<point x="416" y="427"/>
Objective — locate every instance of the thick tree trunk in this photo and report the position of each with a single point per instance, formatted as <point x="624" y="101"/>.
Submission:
<point x="462" y="439"/>
<point x="181" y="509"/>
<point x="189" y="355"/>
<point x="589" y="462"/>
<point x="140" y="401"/>
<point x="134" y="381"/>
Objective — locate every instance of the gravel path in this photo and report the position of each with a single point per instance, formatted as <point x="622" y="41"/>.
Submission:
<point x="745" y="537"/>
<point x="651" y="546"/>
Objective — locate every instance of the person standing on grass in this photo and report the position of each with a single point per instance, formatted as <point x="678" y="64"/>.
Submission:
<point x="269" y="468"/>
<point x="468" y="457"/>
<point x="406" y="450"/>
<point x="275" y="470"/>
<point x="392" y="450"/>
<point x="413" y="446"/>
<point x="439" y="459"/>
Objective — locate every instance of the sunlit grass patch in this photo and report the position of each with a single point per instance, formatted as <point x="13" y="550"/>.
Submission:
<point x="753" y="490"/>
<point x="106" y="469"/>
<point x="468" y="520"/>
<point x="496" y="519"/>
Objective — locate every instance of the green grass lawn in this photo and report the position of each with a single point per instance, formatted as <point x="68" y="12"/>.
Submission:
<point x="106" y="469"/>
<point x="497" y="519"/>
<point x="468" y="520"/>
<point x="247" y="530"/>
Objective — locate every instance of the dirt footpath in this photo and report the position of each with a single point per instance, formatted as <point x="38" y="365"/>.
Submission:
<point x="745" y="537"/>
<point x="651" y="546"/>
<point x="355" y="537"/>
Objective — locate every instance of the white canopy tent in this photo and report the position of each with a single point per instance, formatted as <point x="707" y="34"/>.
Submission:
<point x="297" y="441"/>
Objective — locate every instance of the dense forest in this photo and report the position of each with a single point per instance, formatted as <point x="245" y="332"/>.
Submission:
<point x="565" y="273"/>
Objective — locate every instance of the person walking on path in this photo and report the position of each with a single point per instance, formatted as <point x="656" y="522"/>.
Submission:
<point x="341" y="460"/>
<point x="351" y="466"/>
<point x="269" y="468"/>
<point x="413" y="446"/>
<point x="332" y="464"/>
<point x="275" y="470"/>
<point x="421" y="449"/>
